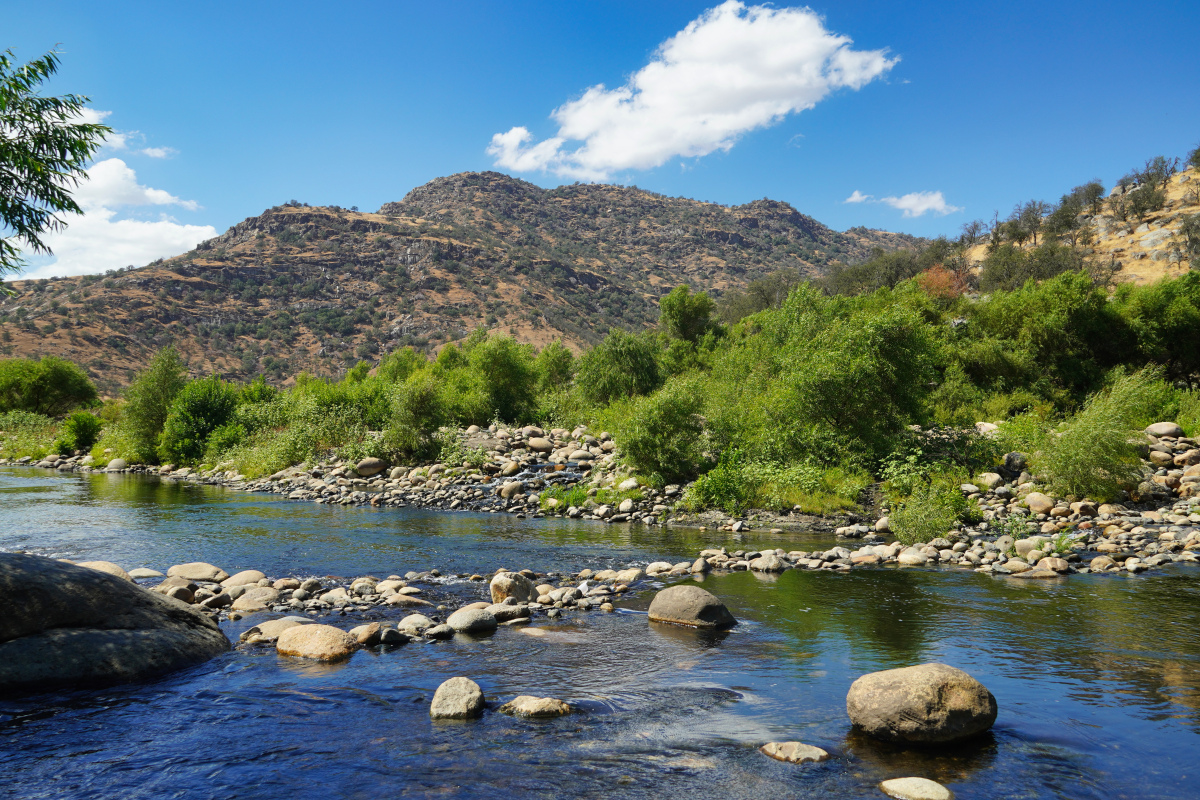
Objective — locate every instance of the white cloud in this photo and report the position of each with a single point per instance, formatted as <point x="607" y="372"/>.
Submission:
<point x="158" y="152"/>
<point x="734" y="69"/>
<point x="916" y="204"/>
<point x="123" y="141"/>
<point x="96" y="240"/>
<point x="112" y="183"/>
<point x="858" y="197"/>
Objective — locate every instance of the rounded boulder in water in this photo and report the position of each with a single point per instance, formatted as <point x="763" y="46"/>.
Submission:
<point x="692" y="606"/>
<point x="925" y="704"/>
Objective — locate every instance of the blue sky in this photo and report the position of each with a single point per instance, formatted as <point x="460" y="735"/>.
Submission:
<point x="227" y="109"/>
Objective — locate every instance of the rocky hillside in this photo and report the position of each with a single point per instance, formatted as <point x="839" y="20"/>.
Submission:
<point x="1140" y="250"/>
<point x="317" y="289"/>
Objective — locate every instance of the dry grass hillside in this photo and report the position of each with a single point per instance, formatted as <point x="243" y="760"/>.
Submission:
<point x="299" y="288"/>
<point x="1140" y="251"/>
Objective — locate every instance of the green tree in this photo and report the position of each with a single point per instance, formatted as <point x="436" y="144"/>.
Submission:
<point x="49" y="386"/>
<point x="148" y="402"/>
<point x="554" y="367"/>
<point x="684" y="315"/>
<point x="43" y="149"/>
<point x="623" y="365"/>
<point x="1193" y="158"/>
<point x="198" y="409"/>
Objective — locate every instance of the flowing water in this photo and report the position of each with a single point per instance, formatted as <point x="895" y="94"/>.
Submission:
<point x="1097" y="677"/>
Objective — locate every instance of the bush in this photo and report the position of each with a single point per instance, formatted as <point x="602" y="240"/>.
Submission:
<point x="621" y="366"/>
<point x="738" y="483"/>
<point x="80" y="431"/>
<point x="198" y="409"/>
<point x="1094" y="454"/>
<point x="50" y="386"/>
<point x="933" y="509"/>
<point x="554" y="367"/>
<point x="148" y="401"/>
<point x="222" y="440"/>
<point x="506" y="371"/>
<point x="661" y="436"/>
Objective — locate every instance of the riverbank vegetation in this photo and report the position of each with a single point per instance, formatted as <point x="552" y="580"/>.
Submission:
<point x="792" y="395"/>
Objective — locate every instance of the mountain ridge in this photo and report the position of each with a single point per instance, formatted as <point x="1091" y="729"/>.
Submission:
<point x="303" y="288"/>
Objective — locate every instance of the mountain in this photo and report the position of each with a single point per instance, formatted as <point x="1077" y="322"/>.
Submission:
<point x="317" y="289"/>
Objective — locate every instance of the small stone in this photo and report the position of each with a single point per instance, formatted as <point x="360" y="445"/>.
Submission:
<point x="794" y="752"/>
<point x="915" y="789"/>
<point x="142" y="572"/>
<point x="439" y="632"/>
<point x="244" y="578"/>
<point x="528" y="706"/>
<point x="457" y="698"/>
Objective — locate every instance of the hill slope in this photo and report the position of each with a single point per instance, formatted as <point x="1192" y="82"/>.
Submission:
<point x="316" y="289"/>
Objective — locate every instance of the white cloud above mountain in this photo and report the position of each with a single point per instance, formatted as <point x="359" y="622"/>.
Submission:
<point x="913" y="204"/>
<point x="735" y="69"/>
<point x="105" y="237"/>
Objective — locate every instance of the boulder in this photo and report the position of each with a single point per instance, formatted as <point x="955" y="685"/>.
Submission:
<point x="367" y="635"/>
<point x="245" y="578"/>
<point x="67" y="626"/>
<point x="318" y="642"/>
<point x="915" y="789"/>
<point x="117" y="463"/>
<point x="1160" y="429"/>
<point x="510" y="489"/>
<point x="990" y="480"/>
<point x="627" y="485"/>
<point x="457" y="698"/>
<point x="108" y="567"/>
<point x="198" y="571"/>
<point x="472" y="620"/>
<point x="690" y="605"/>
<point x="370" y="466"/>
<point x="1039" y="503"/>
<point x="768" y="563"/>
<point x="143" y="572"/>
<point x="528" y="706"/>
<point x="511" y="584"/>
<point x="925" y="704"/>
<point x="793" y="752"/>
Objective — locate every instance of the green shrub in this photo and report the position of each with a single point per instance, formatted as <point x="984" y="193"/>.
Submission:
<point x="554" y="367"/>
<point x="223" y="439"/>
<point x="507" y="374"/>
<point x="933" y="509"/>
<point x="198" y="409"/>
<point x="1094" y="454"/>
<point x="419" y="409"/>
<point x="80" y="431"/>
<point x="148" y="402"/>
<point x="661" y="435"/>
<point x="623" y="365"/>
<point x="454" y="452"/>
<point x="49" y="386"/>
<point x="571" y="496"/>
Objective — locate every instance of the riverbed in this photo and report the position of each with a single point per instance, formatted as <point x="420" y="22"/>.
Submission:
<point x="1097" y="676"/>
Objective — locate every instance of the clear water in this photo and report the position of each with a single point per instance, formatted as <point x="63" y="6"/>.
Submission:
<point x="1097" y="677"/>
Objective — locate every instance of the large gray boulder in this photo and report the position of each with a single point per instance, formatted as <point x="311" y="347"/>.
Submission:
<point x="511" y="584"/>
<point x="1165" y="429"/>
<point x="457" y="698"/>
<point x="66" y="625"/>
<point x="690" y="605"/>
<point x="926" y="704"/>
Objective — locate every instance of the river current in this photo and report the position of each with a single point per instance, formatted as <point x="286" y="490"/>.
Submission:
<point x="1097" y="676"/>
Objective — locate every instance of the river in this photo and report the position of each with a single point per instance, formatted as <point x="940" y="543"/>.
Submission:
<point x="1097" y="676"/>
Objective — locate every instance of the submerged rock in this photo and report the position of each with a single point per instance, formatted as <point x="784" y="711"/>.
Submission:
<point x="915" y="789"/>
<point x="794" y="752"/>
<point x="457" y="698"/>
<point x="529" y="706"/>
<point x="67" y="625"/>
<point x="925" y="704"/>
<point x="690" y="605"/>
